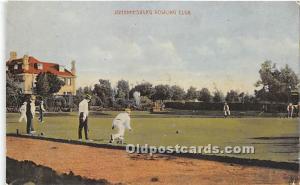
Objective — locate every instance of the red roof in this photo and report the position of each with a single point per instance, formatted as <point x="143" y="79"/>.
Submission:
<point x="47" y="67"/>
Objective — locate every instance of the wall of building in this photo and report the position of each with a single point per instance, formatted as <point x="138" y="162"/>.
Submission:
<point x="67" y="89"/>
<point x="29" y="81"/>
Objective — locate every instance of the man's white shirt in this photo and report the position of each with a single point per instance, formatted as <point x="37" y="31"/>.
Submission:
<point x="122" y="120"/>
<point x="32" y="108"/>
<point x="84" y="108"/>
<point x="42" y="107"/>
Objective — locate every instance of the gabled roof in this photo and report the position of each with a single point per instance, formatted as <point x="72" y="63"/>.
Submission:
<point x="47" y="67"/>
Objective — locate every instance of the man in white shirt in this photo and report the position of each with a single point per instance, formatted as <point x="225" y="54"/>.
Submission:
<point x="41" y="111"/>
<point x="226" y="110"/>
<point x="290" y="109"/>
<point x="83" y="117"/>
<point x="23" y="112"/>
<point x="121" y="122"/>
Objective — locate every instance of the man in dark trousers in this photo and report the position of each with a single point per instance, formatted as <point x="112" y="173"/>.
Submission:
<point x="30" y="111"/>
<point x="83" y="117"/>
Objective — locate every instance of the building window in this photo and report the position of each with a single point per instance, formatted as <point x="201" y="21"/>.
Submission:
<point x="16" y="66"/>
<point x="6" y="68"/>
<point x="39" y="66"/>
<point x="61" y="69"/>
<point x="67" y="81"/>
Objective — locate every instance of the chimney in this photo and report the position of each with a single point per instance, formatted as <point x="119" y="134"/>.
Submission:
<point x="12" y="55"/>
<point x="73" y="69"/>
<point x="26" y="62"/>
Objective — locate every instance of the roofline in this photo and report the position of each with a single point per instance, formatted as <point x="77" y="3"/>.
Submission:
<point x="74" y="76"/>
<point x="34" y="59"/>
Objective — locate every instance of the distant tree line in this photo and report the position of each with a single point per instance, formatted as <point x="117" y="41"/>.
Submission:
<point x="274" y="85"/>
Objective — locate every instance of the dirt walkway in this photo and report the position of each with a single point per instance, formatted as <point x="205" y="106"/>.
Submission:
<point x="118" y="166"/>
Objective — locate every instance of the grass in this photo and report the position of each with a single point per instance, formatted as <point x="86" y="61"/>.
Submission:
<point x="158" y="130"/>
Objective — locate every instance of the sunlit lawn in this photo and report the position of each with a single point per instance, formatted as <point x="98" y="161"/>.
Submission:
<point x="161" y="130"/>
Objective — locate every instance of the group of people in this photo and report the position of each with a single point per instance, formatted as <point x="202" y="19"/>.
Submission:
<point x="121" y="122"/>
<point x="290" y="110"/>
<point x="27" y="111"/>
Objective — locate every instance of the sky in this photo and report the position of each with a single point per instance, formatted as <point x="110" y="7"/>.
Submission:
<point x="220" y="45"/>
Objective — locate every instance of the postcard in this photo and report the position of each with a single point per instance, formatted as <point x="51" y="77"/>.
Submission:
<point x="162" y="92"/>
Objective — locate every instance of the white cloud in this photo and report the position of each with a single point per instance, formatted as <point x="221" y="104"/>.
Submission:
<point x="221" y="42"/>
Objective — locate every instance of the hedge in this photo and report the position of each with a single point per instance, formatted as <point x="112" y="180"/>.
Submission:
<point x="233" y="106"/>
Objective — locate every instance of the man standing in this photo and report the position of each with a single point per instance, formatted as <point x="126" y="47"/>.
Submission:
<point x="290" y="109"/>
<point x="30" y="112"/>
<point x="83" y="117"/>
<point x="23" y="112"/>
<point x="41" y="111"/>
<point x="226" y="110"/>
<point x="121" y="122"/>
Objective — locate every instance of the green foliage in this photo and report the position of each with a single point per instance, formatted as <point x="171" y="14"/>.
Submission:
<point x="82" y="92"/>
<point x="104" y="91"/>
<point x="122" y="89"/>
<point x="233" y="96"/>
<point x="162" y="92"/>
<point x="218" y="96"/>
<point x="275" y="84"/>
<point x="14" y="96"/>
<point x="192" y="93"/>
<point x="47" y="84"/>
<point x="178" y="93"/>
<point x="204" y="95"/>
<point x="146" y="102"/>
<point x="144" y="88"/>
<point x="42" y="85"/>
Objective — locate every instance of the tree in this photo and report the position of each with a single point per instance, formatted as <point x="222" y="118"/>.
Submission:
<point x="248" y="99"/>
<point x="232" y="96"/>
<point x="218" y="96"/>
<point x="144" y="88"/>
<point x="192" y="93"/>
<point x="104" y="91"/>
<point x="178" y="93"/>
<point x="14" y="94"/>
<point x="47" y="84"/>
<point x="82" y="92"/>
<point x="42" y="85"/>
<point x="204" y="95"/>
<point x="162" y="92"/>
<point x="275" y="85"/>
<point x="123" y="89"/>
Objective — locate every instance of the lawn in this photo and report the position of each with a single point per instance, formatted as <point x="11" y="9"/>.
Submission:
<point x="273" y="138"/>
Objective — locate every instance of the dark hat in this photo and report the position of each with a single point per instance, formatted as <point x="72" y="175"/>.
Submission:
<point x="87" y="96"/>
